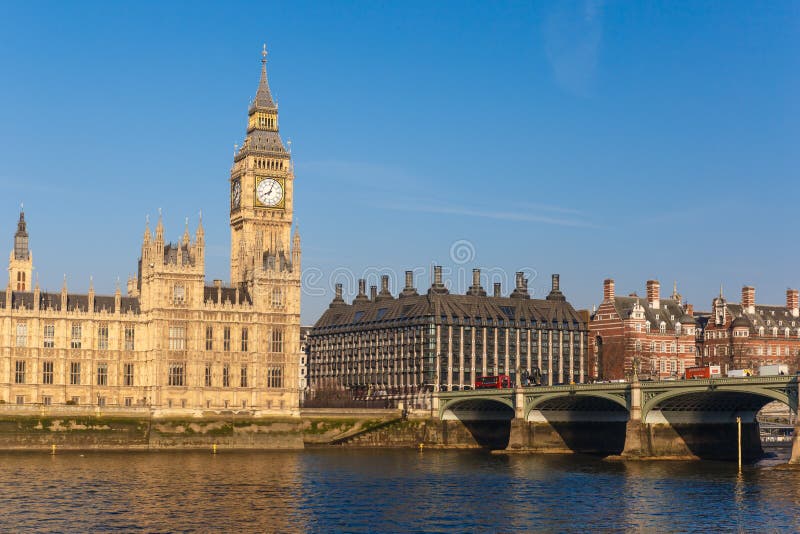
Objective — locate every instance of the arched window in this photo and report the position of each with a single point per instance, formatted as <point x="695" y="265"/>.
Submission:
<point x="647" y="327"/>
<point x="760" y="330"/>
<point x="638" y="346"/>
<point x="662" y="328"/>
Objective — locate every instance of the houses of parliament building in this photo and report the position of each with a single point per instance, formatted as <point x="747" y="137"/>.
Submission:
<point x="173" y="341"/>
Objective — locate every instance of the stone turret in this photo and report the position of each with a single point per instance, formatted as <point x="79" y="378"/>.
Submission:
<point x="20" y="262"/>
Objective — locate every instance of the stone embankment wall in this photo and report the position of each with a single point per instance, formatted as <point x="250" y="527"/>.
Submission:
<point x="84" y="428"/>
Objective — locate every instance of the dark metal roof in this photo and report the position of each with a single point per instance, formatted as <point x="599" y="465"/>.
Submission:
<point x="226" y="294"/>
<point x="448" y="308"/>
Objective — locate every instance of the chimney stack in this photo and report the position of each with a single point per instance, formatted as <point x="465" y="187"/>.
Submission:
<point x="337" y="298"/>
<point x="555" y="289"/>
<point x="520" y="289"/>
<point x="437" y="286"/>
<point x="362" y="291"/>
<point x="384" y="294"/>
<point x="793" y="301"/>
<point x="409" y="290"/>
<point x="690" y="310"/>
<point x="608" y="290"/>
<point x="497" y="289"/>
<point x="749" y="299"/>
<point x="654" y="294"/>
<point x="475" y="288"/>
<point x="373" y="293"/>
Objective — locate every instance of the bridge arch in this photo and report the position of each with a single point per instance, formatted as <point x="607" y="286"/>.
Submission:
<point x="577" y="400"/>
<point x="477" y="407"/>
<point x="710" y="398"/>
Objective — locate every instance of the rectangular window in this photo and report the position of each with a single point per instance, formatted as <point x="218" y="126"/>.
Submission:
<point x="179" y="294"/>
<point x="175" y="377"/>
<point x="75" y="373"/>
<point x="49" y="336"/>
<point x="130" y="334"/>
<point x="47" y="400"/>
<point x="101" y="401"/>
<point x="177" y="337"/>
<point x="244" y="339"/>
<point x="243" y="375"/>
<point x="102" y="374"/>
<point x="226" y="338"/>
<point x="277" y="341"/>
<point x="277" y="298"/>
<point x="208" y="375"/>
<point x="275" y="377"/>
<point x="20" y="399"/>
<point x="128" y="401"/>
<point x="128" y="374"/>
<point x="102" y="336"/>
<point x="209" y="338"/>
<point x="19" y="372"/>
<point x="226" y="376"/>
<point x="47" y="372"/>
<point x="22" y="334"/>
<point x="75" y="339"/>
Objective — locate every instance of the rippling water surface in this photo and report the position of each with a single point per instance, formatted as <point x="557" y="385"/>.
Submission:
<point x="386" y="491"/>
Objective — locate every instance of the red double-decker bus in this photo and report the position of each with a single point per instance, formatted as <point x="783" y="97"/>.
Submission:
<point x="493" y="382"/>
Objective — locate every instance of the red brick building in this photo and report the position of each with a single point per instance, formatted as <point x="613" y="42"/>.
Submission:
<point x="746" y="335"/>
<point x="658" y="334"/>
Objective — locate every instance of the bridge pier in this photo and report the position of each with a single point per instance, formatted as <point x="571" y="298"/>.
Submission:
<point x="795" y="458"/>
<point x="634" y="428"/>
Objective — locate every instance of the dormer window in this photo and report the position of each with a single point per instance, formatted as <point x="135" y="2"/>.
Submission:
<point x="662" y="328"/>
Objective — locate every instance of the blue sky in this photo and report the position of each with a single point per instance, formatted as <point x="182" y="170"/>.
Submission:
<point x="630" y="140"/>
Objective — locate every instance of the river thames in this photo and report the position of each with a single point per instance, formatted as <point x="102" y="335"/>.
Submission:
<point x="358" y="490"/>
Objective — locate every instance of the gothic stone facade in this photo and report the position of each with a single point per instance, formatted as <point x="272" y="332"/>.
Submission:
<point x="746" y="335"/>
<point x="174" y="341"/>
<point x="413" y="344"/>
<point x="657" y="334"/>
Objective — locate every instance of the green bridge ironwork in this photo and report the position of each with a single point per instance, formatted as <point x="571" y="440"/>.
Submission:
<point x="718" y="394"/>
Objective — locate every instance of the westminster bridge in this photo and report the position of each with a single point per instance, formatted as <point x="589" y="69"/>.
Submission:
<point x="638" y="419"/>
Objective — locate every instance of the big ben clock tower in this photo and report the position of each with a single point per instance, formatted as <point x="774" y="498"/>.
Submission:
<point x="261" y="187"/>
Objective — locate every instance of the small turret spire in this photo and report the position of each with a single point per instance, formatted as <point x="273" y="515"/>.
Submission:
<point x="148" y="236"/>
<point x="200" y="232"/>
<point x="186" y="237"/>
<point x="160" y="227"/>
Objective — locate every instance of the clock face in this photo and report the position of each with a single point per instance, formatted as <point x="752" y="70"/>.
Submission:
<point x="269" y="192"/>
<point x="236" y="194"/>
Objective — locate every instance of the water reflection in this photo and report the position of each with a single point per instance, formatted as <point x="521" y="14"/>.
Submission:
<point x="387" y="491"/>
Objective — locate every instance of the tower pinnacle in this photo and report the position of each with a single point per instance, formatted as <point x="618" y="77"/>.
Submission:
<point x="263" y="100"/>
